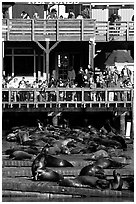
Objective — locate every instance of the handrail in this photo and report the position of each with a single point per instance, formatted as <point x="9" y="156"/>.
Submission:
<point x="59" y="96"/>
<point x="62" y="29"/>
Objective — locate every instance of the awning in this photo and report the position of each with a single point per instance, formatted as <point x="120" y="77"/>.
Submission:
<point x="120" y="56"/>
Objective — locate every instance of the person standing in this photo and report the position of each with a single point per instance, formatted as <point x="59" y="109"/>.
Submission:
<point x="80" y="77"/>
<point x="71" y="74"/>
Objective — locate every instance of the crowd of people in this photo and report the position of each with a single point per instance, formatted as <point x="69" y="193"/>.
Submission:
<point x="84" y="79"/>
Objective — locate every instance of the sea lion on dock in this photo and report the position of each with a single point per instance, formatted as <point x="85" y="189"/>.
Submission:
<point x="98" y="154"/>
<point x="45" y="174"/>
<point x="107" y="142"/>
<point x="88" y="180"/>
<point x="52" y="161"/>
<point x="70" y="183"/>
<point x="44" y="160"/>
<point x="29" y="150"/>
<point x="20" y="155"/>
<point x="117" y="182"/>
<point x="92" y="170"/>
<point x="107" y="163"/>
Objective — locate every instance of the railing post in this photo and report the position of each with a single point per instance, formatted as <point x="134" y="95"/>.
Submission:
<point x="107" y="31"/>
<point x="127" y="31"/>
<point x="9" y="101"/>
<point x="57" y="30"/>
<point x="106" y="97"/>
<point x="32" y="29"/>
<point x="8" y="28"/>
<point x="57" y="96"/>
<point x="35" y="97"/>
<point x="82" y="29"/>
<point x="45" y="27"/>
<point x="82" y="96"/>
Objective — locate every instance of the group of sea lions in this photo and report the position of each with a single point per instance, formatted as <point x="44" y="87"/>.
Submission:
<point x="92" y="175"/>
<point x="65" y="141"/>
<point x="40" y="144"/>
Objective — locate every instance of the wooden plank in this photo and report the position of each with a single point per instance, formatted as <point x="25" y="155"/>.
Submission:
<point x="25" y="185"/>
<point x="66" y="171"/>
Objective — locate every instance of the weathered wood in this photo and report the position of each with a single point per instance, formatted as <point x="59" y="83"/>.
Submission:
<point x="25" y="185"/>
<point x="66" y="29"/>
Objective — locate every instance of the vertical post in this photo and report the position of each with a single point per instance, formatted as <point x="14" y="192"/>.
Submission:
<point x="132" y="127"/>
<point x="127" y="31"/>
<point x="90" y="11"/>
<point x="39" y="65"/>
<point x="3" y="71"/>
<point x="122" y="123"/>
<point x="47" y="60"/>
<point x="91" y="52"/>
<point x="34" y="65"/>
<point x="8" y="28"/>
<point x="82" y="29"/>
<point x="55" y="120"/>
<point x="44" y="72"/>
<point x="32" y="29"/>
<point x="107" y="31"/>
<point x="57" y="30"/>
<point x="12" y="61"/>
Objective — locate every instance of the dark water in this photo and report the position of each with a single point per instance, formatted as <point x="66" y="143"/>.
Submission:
<point x="90" y="199"/>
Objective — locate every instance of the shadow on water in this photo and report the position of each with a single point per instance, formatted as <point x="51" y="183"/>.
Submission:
<point x="76" y="119"/>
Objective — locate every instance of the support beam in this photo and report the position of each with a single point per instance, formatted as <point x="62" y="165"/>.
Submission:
<point x="122" y="123"/>
<point x="55" y="45"/>
<point x="91" y="53"/>
<point x="47" y="60"/>
<point x="34" y="65"/>
<point x="13" y="62"/>
<point x="41" y="46"/>
<point x="46" y="50"/>
<point x="44" y="71"/>
<point x="39" y="65"/>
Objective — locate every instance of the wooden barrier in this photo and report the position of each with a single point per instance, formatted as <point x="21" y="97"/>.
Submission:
<point x="66" y="30"/>
<point x="63" y="97"/>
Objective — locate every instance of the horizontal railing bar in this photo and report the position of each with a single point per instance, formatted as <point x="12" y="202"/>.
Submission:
<point x="72" y="27"/>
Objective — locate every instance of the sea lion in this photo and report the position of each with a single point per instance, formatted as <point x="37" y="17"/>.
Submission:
<point x="99" y="154"/>
<point x="48" y="175"/>
<point x="52" y="161"/>
<point x="128" y="183"/>
<point x="88" y="180"/>
<point x="103" y="184"/>
<point x="107" y="142"/>
<point x="70" y="183"/>
<point x="117" y="182"/>
<point x="12" y="137"/>
<point x="107" y="163"/>
<point x="38" y="163"/>
<point x="92" y="170"/>
<point x="29" y="150"/>
<point x="44" y="160"/>
<point x="121" y="140"/>
<point x="20" y="155"/>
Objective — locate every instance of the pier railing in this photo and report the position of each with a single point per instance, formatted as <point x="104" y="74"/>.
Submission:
<point x="67" y="97"/>
<point x="66" y="30"/>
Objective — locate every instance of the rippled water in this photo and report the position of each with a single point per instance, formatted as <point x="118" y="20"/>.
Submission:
<point x="90" y="199"/>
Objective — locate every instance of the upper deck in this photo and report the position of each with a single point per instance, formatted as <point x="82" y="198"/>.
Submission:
<point x="66" y="30"/>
